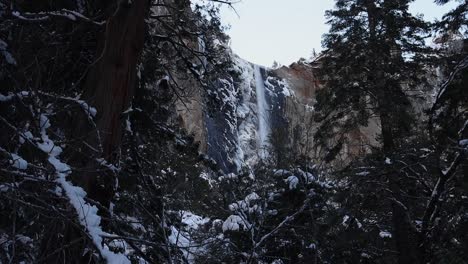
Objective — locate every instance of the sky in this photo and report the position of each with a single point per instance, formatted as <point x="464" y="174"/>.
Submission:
<point x="263" y="31"/>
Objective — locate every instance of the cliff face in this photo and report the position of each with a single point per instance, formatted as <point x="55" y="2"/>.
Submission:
<point x="303" y="80"/>
<point x="236" y="118"/>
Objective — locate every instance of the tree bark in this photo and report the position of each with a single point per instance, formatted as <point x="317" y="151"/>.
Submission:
<point x="109" y="87"/>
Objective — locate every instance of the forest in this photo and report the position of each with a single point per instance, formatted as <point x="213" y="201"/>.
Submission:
<point x="130" y="132"/>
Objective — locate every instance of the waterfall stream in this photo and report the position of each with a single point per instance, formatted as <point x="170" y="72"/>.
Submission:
<point x="263" y="112"/>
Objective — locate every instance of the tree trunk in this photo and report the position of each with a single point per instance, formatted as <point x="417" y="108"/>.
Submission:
<point x="110" y="86"/>
<point x="405" y="236"/>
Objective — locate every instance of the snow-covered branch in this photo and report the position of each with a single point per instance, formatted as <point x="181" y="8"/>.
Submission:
<point x="47" y="15"/>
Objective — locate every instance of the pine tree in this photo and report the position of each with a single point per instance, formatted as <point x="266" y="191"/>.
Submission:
<point x="374" y="52"/>
<point x="454" y="20"/>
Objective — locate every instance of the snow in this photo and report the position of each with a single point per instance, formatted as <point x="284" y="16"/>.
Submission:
<point x="87" y="214"/>
<point x="18" y="162"/>
<point x="263" y="114"/>
<point x="247" y="204"/>
<point x="252" y="197"/>
<point x="24" y="239"/>
<point x="181" y="237"/>
<point x="246" y="112"/>
<point x="358" y="223"/>
<point x="230" y="176"/>
<point x="307" y="176"/>
<point x="19" y="16"/>
<point x="192" y="220"/>
<point x="242" y="111"/>
<point x="4" y="187"/>
<point x="109" y="166"/>
<point x="7" y="55"/>
<point x="345" y="219"/>
<point x="286" y="91"/>
<point x="91" y="111"/>
<point x="202" y="49"/>
<point x="463" y="143"/>
<point x="28" y="135"/>
<point x="128" y="126"/>
<point x="4" y="98"/>
<point x="292" y="181"/>
<point x="178" y="238"/>
<point x="277" y="261"/>
<point x="312" y="246"/>
<point x="281" y="172"/>
<point x="233" y="223"/>
<point x="385" y="234"/>
<point x="363" y="173"/>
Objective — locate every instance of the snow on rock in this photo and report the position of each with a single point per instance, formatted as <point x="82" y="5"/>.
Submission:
<point x="18" y="162"/>
<point x="246" y="111"/>
<point x="285" y="88"/>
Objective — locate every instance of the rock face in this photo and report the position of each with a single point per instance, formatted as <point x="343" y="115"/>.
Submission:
<point x="302" y="79"/>
<point x="234" y="118"/>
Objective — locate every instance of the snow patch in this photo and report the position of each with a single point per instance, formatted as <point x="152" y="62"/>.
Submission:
<point x="233" y="223"/>
<point x="87" y="214"/>
<point x="463" y="143"/>
<point x="385" y="234"/>
<point x="192" y="220"/>
<point x="18" y="162"/>
<point x="363" y="173"/>
<point x="292" y="181"/>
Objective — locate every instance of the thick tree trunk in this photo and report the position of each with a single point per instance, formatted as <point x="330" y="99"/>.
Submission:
<point x="110" y="86"/>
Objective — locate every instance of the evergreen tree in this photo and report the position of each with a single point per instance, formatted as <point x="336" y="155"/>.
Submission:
<point x="456" y="19"/>
<point x="374" y="54"/>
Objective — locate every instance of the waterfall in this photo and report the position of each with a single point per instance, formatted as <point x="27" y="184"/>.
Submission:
<point x="202" y="49"/>
<point x="263" y="113"/>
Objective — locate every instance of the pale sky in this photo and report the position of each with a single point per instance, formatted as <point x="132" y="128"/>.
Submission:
<point x="269" y="30"/>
